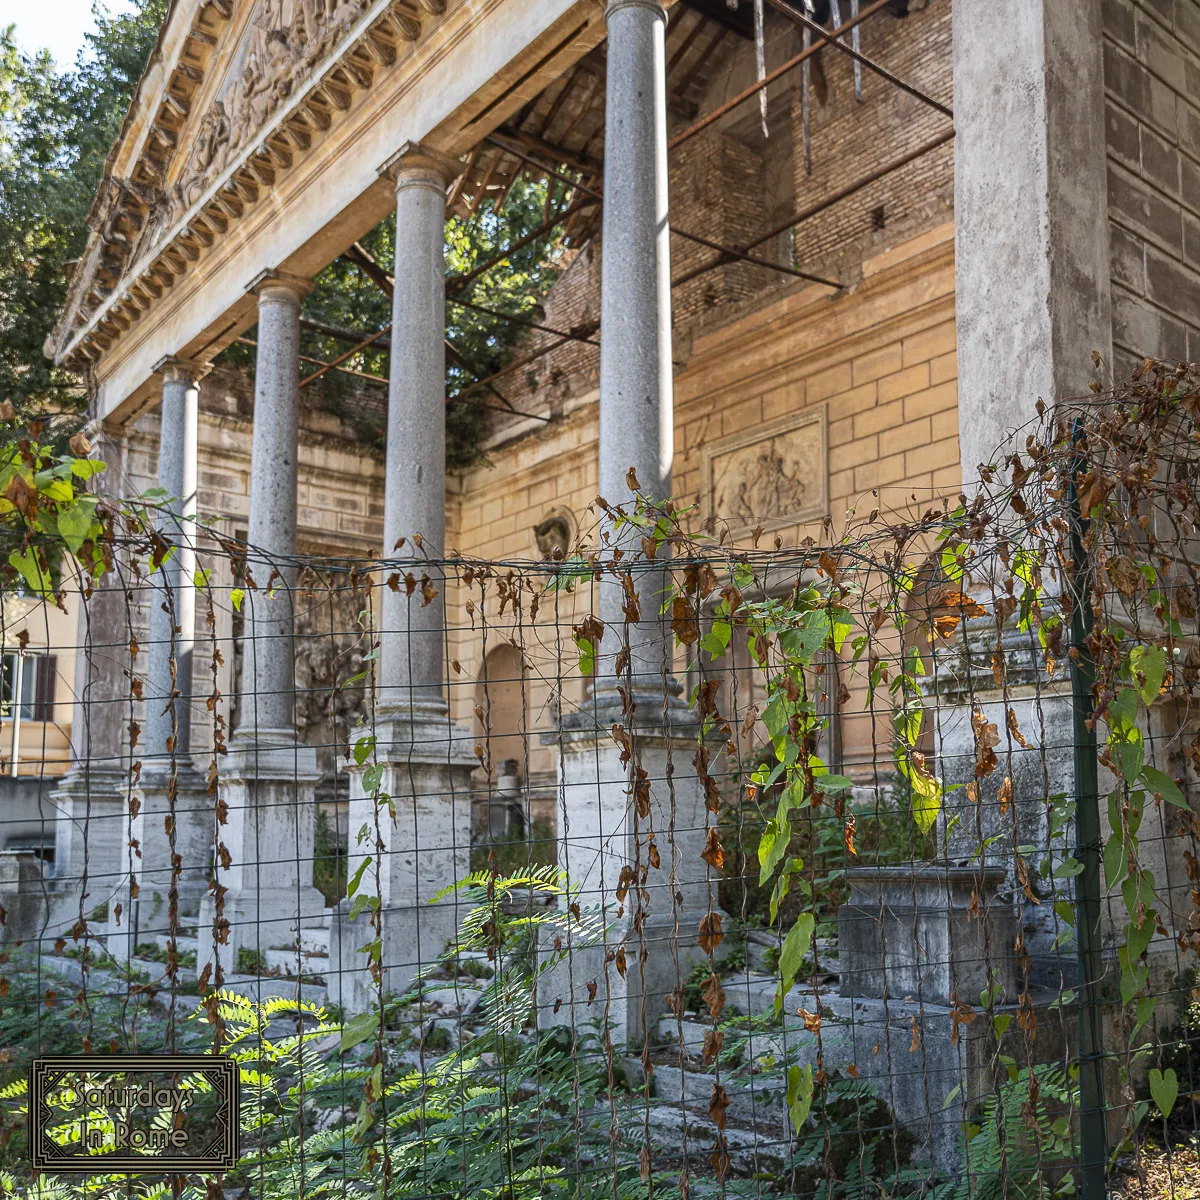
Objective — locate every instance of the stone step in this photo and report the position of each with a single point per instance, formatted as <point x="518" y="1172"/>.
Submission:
<point x="315" y="939"/>
<point x="289" y="963"/>
<point x="753" y="1152"/>
<point x="182" y="944"/>
<point x="751" y="1105"/>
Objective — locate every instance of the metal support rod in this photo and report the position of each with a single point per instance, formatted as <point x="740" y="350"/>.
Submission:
<point x="1092" y="1132"/>
<point x="729" y="253"/>
<point x="341" y="358"/>
<point x="733" y="254"/>
<point x="456" y="283"/>
<point x="824" y="40"/>
<point x="822" y="205"/>
<point x="812" y="27"/>
<point x="570" y="335"/>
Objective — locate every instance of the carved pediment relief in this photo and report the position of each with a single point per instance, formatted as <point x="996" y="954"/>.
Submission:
<point x="213" y="114"/>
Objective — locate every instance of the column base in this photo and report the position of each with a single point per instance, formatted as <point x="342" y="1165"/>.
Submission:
<point x="146" y="916"/>
<point x="269" y="789"/>
<point x="90" y="839"/>
<point x="427" y="763"/>
<point x="612" y="825"/>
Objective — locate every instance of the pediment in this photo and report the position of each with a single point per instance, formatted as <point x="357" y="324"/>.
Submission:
<point x="234" y="92"/>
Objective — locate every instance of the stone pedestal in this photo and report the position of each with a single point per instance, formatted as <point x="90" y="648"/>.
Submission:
<point x="426" y="763"/>
<point x="270" y="791"/>
<point x="91" y="835"/>
<point x="987" y="831"/>
<point x="180" y="812"/>
<point x="927" y="933"/>
<point x="24" y="895"/>
<point x="605" y="844"/>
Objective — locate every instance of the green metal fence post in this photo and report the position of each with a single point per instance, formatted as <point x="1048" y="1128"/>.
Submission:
<point x="1092" y="1132"/>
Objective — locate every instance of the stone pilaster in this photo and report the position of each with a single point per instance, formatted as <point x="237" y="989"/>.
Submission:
<point x="426" y="759"/>
<point x="269" y="780"/>
<point x="1032" y="290"/>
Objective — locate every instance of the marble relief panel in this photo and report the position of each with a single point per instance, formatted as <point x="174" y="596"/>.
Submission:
<point x="771" y="475"/>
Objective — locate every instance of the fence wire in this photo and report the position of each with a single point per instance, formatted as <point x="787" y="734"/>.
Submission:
<point x="662" y="866"/>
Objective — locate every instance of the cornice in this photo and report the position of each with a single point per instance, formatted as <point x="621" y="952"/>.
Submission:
<point x="384" y="34"/>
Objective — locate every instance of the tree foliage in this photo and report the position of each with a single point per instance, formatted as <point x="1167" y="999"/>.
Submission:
<point x="56" y="127"/>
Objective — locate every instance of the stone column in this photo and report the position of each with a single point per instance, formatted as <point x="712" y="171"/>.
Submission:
<point x="602" y="831"/>
<point x="269" y="783"/>
<point x="173" y="815"/>
<point x="90" y="806"/>
<point x="1033" y="301"/>
<point x="426" y="760"/>
<point x="268" y="689"/>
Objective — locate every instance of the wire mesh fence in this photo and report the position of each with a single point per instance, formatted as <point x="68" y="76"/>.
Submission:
<point x="665" y="865"/>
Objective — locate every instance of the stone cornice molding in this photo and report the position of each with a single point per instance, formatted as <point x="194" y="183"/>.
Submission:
<point x="106" y="300"/>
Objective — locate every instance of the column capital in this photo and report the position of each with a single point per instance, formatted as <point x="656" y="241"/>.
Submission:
<point x="173" y="367"/>
<point x="414" y="163"/>
<point x="279" y="284"/>
<point x="654" y="6"/>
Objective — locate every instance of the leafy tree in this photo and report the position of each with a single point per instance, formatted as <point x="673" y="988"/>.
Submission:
<point x="56" y="128"/>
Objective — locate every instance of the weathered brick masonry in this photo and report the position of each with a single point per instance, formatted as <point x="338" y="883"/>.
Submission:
<point x="1152" y="86"/>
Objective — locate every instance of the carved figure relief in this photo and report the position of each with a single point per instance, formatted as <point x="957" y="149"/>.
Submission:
<point x="280" y="48"/>
<point x="329" y="649"/>
<point x="554" y="533"/>
<point x="770" y="476"/>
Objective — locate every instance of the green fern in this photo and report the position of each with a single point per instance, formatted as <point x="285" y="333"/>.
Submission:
<point x="1022" y="1141"/>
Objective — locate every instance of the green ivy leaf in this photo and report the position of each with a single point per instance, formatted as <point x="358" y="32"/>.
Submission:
<point x="358" y="1029"/>
<point x="363" y="749"/>
<point x="799" y="1094"/>
<point x="87" y="468"/>
<point x="236" y="596"/>
<point x="75" y="523"/>
<point x="1164" y="1087"/>
<point x="1164" y="786"/>
<point x="1114" y="859"/>
<point x="795" y="947"/>
<point x="356" y="879"/>
<point x="25" y="561"/>
<point x="772" y="847"/>
<point x="1150" y="662"/>
<point x="1122" y="711"/>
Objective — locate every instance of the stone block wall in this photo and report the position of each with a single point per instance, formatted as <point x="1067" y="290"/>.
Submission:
<point x="1152" y="92"/>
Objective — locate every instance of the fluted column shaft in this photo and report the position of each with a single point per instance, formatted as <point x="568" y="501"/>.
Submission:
<point x="413" y="642"/>
<point x="168" y="686"/>
<point x="268" y="673"/>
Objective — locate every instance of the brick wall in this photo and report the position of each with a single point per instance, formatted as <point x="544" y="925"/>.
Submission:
<point x="1152" y="89"/>
<point x="851" y="140"/>
<point x="879" y="360"/>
